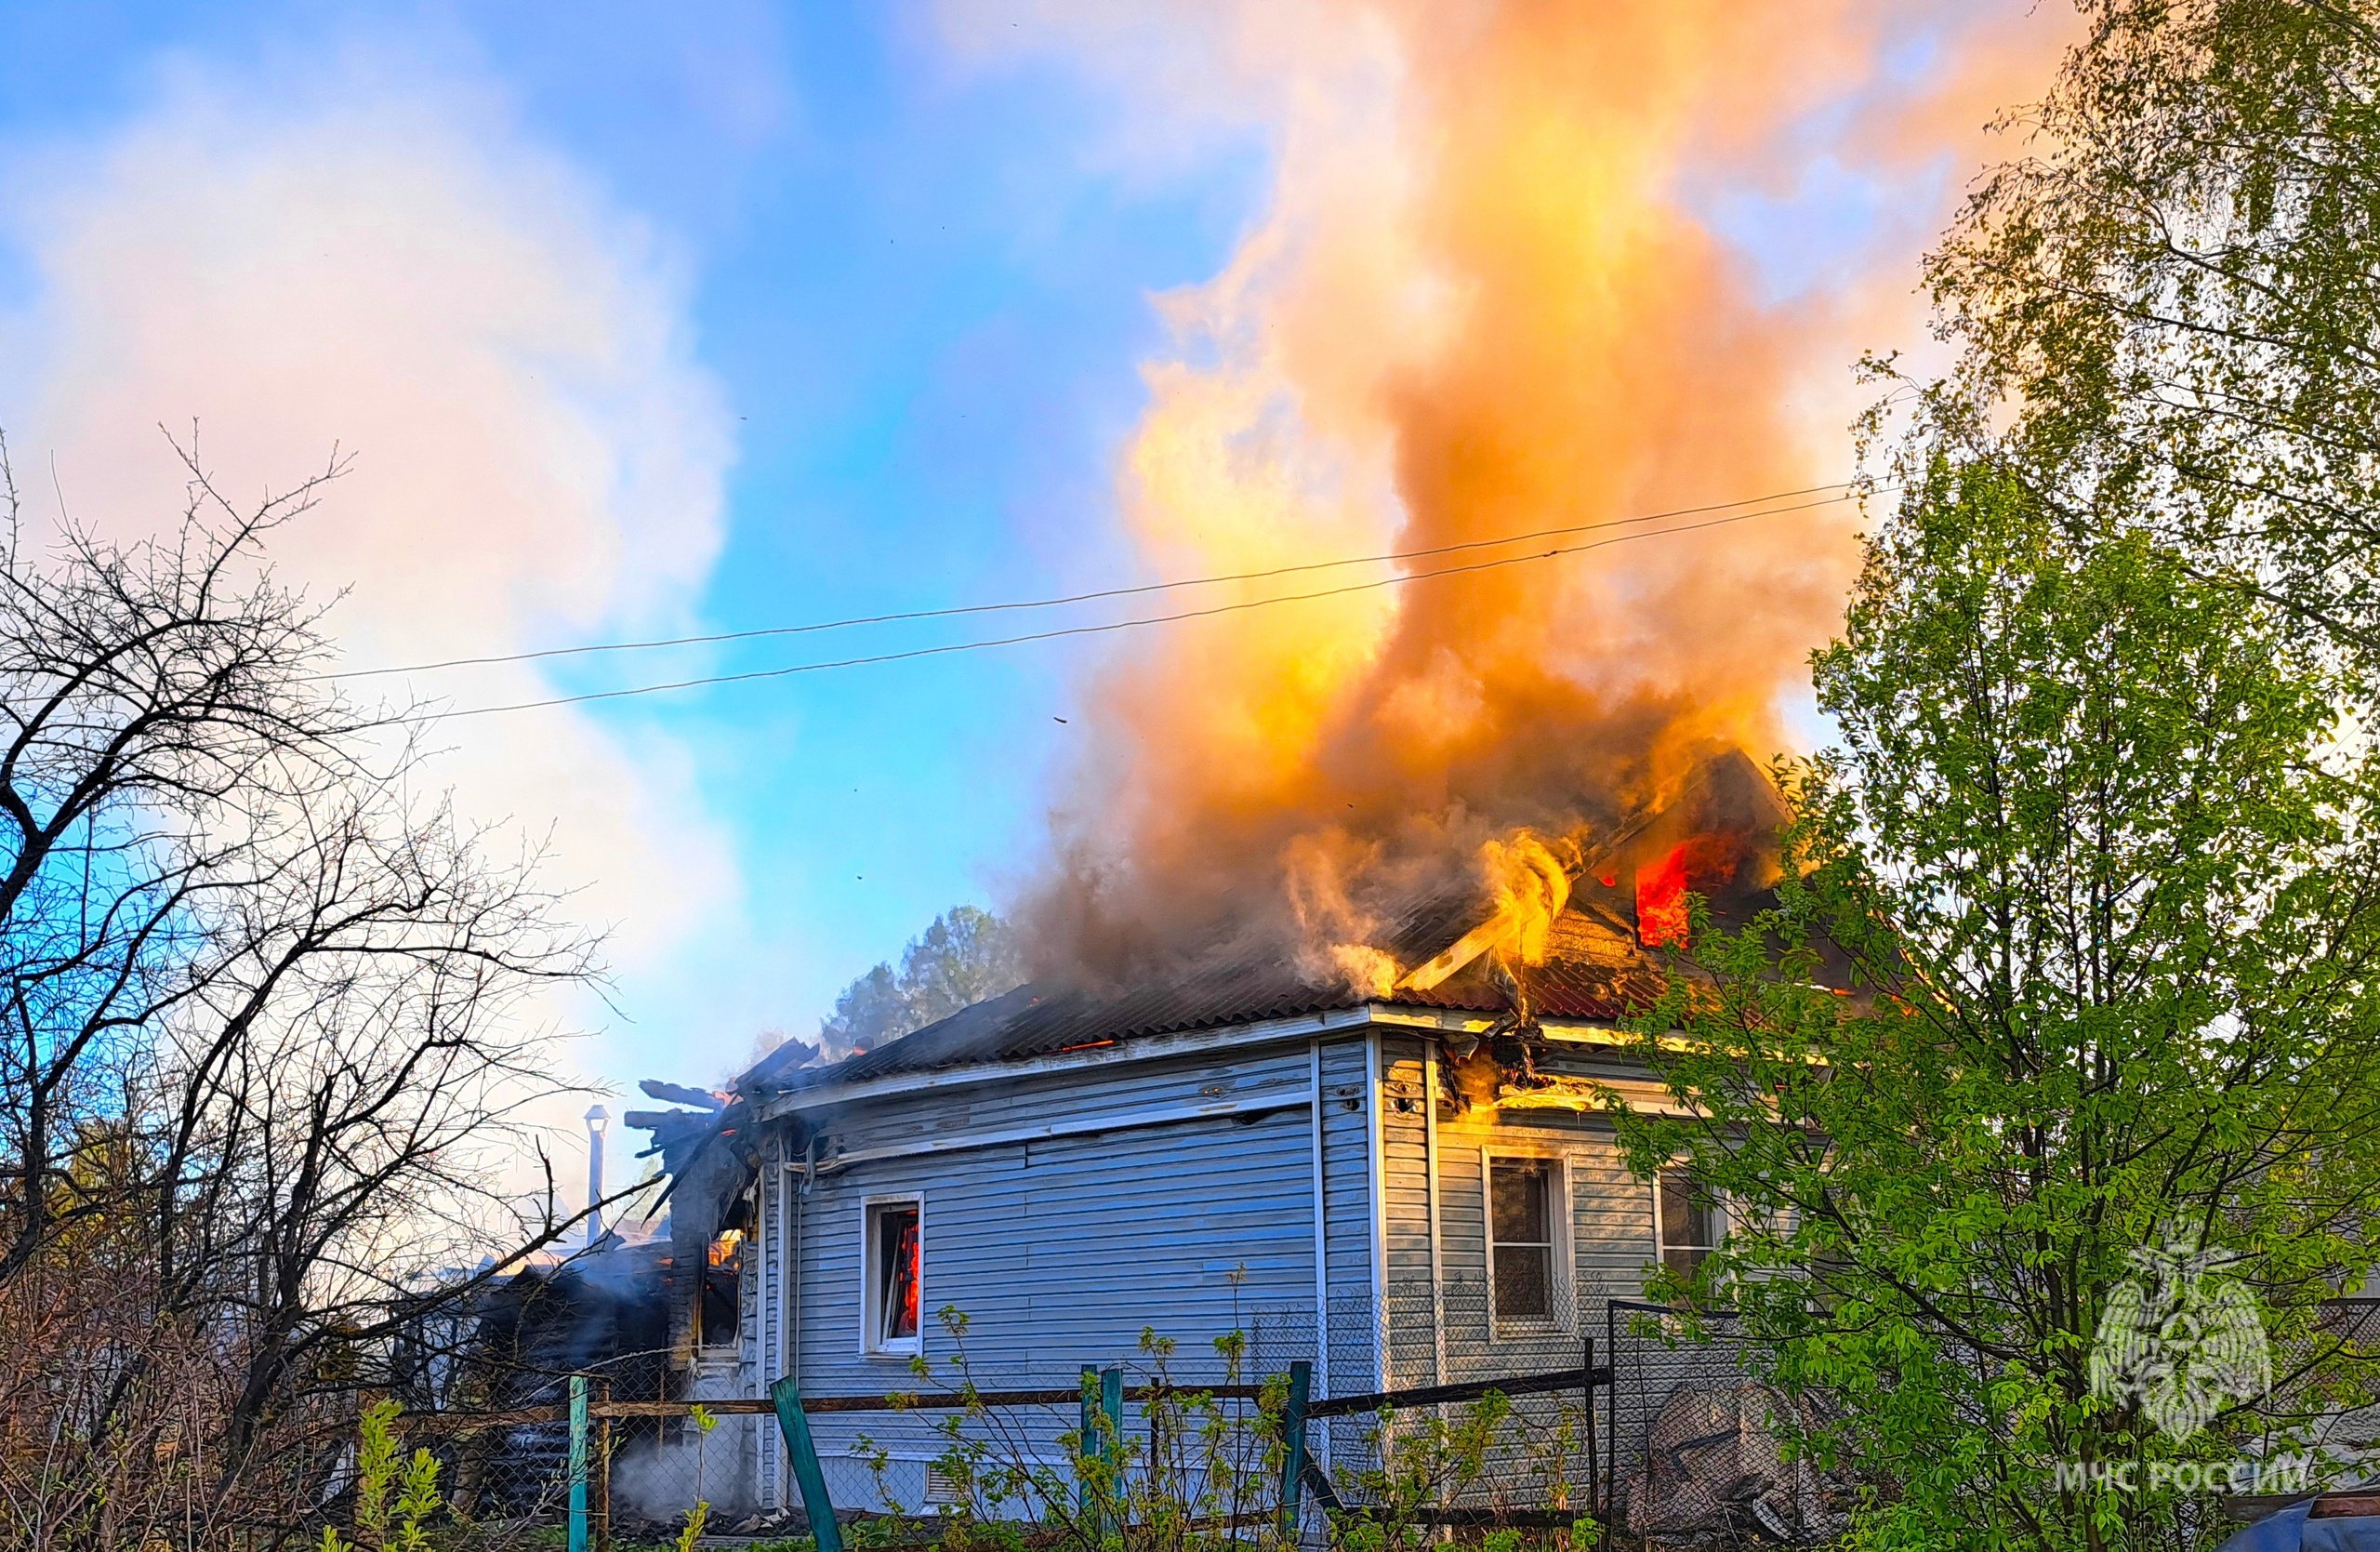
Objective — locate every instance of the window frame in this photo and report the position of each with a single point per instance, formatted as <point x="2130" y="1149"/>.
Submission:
<point x="1562" y="1273"/>
<point x="1721" y="1219"/>
<point x="871" y="1312"/>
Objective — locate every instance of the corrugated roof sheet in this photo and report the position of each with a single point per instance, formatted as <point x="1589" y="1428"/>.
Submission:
<point x="1593" y="970"/>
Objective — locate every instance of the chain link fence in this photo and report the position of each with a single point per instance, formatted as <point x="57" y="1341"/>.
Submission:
<point x="1695" y="1451"/>
<point x="658" y="1464"/>
<point x="2326" y="1377"/>
<point x="1386" y="1441"/>
<point x="1692" y="1435"/>
<point x="496" y="1471"/>
<point x="1682" y="1448"/>
<point x="1194" y="1435"/>
<point x="994" y="1444"/>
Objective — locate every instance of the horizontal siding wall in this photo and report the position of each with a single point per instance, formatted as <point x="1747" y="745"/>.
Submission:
<point x="1351" y="1360"/>
<point x="1404" y="1163"/>
<point x="1611" y="1222"/>
<point x="1063" y="1251"/>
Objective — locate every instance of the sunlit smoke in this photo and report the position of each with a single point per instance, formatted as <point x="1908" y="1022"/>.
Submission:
<point x="1487" y="298"/>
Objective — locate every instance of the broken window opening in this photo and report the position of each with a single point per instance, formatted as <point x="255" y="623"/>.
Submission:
<point x="895" y="1266"/>
<point x="1524" y="1237"/>
<point x="718" y="1316"/>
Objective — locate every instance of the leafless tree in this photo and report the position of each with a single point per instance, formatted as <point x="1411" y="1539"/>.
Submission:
<point x="269" y="1020"/>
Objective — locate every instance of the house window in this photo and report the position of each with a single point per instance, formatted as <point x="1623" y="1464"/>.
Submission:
<point x="1686" y="1220"/>
<point x="1524" y="1237"/>
<point x="722" y="1302"/>
<point x="895" y="1268"/>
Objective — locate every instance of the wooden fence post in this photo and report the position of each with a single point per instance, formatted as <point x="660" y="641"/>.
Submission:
<point x="1111" y="1402"/>
<point x="578" y="1538"/>
<point x="1088" y="1448"/>
<point x="599" y="1468"/>
<point x="1293" y="1445"/>
<point x="1102" y="1440"/>
<point x="826" y="1535"/>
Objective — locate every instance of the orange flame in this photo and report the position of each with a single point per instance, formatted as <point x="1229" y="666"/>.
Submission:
<point x="1699" y="865"/>
<point x="1661" y="900"/>
<point x="1481" y="304"/>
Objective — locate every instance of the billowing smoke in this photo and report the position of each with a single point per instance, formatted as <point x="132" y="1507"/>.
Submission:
<point x="381" y="262"/>
<point x="1489" y="297"/>
<point x="373" y="256"/>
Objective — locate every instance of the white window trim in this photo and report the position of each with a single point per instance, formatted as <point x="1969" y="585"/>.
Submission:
<point x="871" y="1284"/>
<point x="1566" y="1271"/>
<point x="1721" y="1216"/>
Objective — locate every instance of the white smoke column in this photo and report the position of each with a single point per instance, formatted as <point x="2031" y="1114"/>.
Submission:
<point x="387" y="264"/>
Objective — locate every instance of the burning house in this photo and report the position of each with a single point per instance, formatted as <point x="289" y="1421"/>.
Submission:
<point x="1407" y="1180"/>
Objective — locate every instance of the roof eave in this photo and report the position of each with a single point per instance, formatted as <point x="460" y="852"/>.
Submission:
<point x="1149" y="1048"/>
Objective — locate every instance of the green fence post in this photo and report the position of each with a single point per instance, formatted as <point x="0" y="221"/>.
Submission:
<point x="578" y="1539"/>
<point x="1102" y="1440"/>
<point x="826" y="1535"/>
<point x="599" y="1465"/>
<point x="1111" y="1403"/>
<point x="1293" y="1445"/>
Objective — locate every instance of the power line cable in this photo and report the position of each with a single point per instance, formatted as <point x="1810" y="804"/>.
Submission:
<point x="1093" y="597"/>
<point x="1108" y="626"/>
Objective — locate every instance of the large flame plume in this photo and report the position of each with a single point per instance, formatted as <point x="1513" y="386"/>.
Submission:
<point x="1483" y="302"/>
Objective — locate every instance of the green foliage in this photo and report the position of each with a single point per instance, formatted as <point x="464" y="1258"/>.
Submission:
<point x="965" y="956"/>
<point x="2170" y="289"/>
<point x="1423" y="1461"/>
<point x="2093" y="849"/>
<point x="2100" y="837"/>
<point x="1428" y="1459"/>
<point x="381" y="1526"/>
<point x="1204" y="1472"/>
<point x="1197" y="1471"/>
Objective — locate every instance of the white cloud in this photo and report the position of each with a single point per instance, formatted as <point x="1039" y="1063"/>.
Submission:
<point x="388" y="264"/>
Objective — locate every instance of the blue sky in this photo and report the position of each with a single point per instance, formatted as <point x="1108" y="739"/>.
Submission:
<point x="844" y="317"/>
<point x="925" y="307"/>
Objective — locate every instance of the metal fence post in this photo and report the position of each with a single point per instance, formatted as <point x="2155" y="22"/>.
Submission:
<point x="1111" y="1445"/>
<point x="1293" y="1445"/>
<point x="1610" y="1505"/>
<point x="1595" y="1484"/>
<point x="578" y="1538"/>
<point x="826" y="1535"/>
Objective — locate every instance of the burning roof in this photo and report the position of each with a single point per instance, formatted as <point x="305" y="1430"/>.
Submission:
<point x="1563" y="932"/>
<point x="1559" y="928"/>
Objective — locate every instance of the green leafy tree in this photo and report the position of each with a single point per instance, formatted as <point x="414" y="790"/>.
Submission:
<point x="2089" y="847"/>
<point x="965" y="955"/>
<point x="2173" y="290"/>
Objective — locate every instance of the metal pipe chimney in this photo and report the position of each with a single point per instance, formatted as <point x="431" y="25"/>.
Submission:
<point x="598" y="1118"/>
